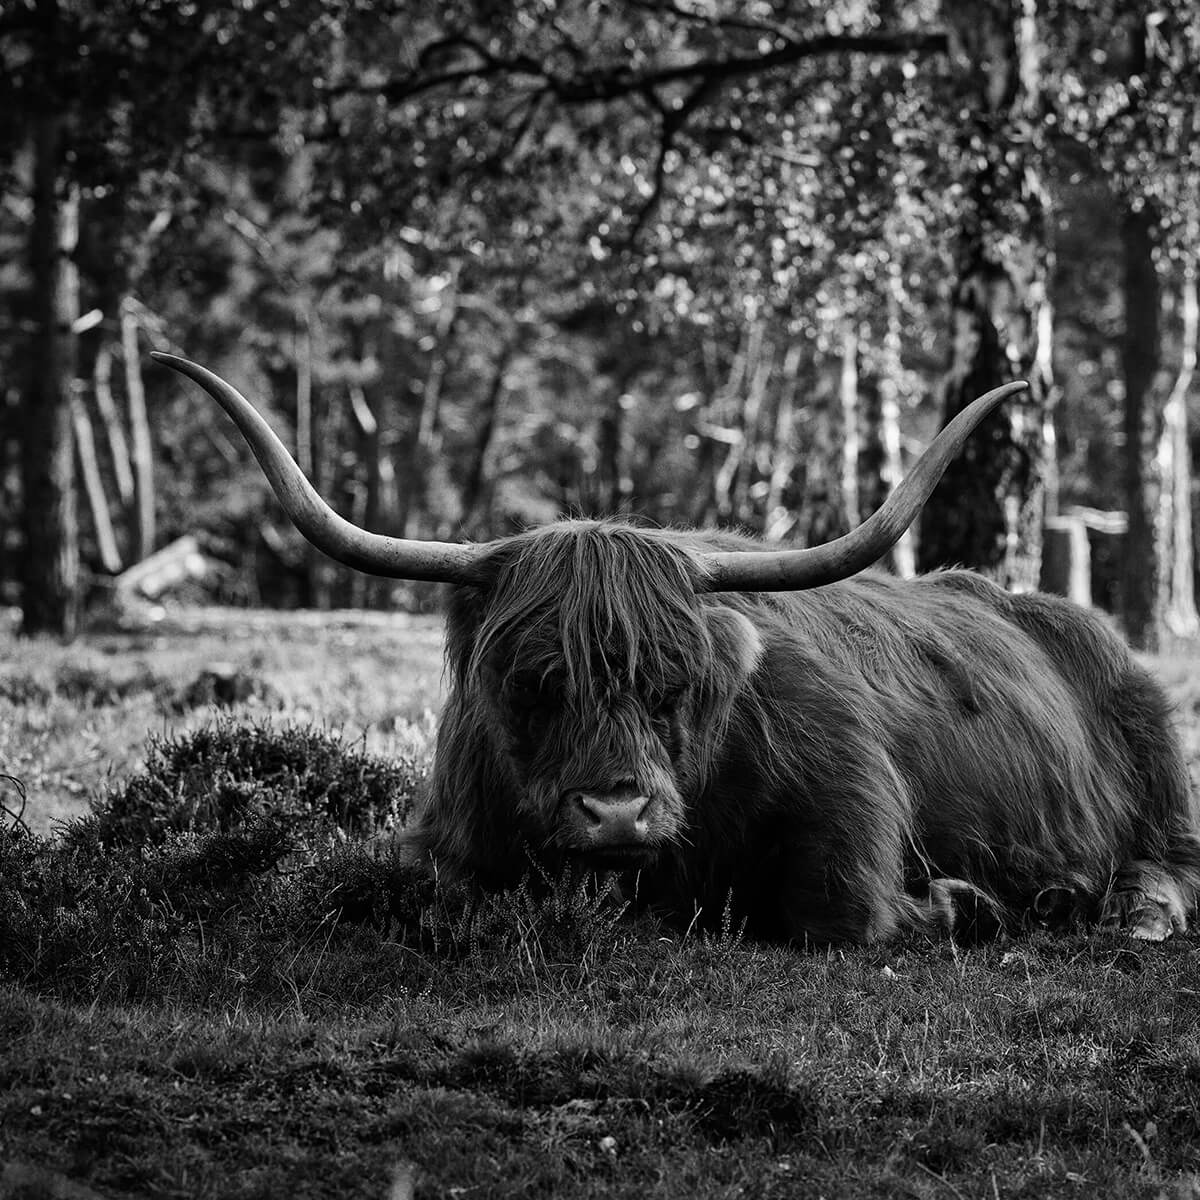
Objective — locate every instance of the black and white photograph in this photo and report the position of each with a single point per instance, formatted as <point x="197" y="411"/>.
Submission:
<point x="598" y="598"/>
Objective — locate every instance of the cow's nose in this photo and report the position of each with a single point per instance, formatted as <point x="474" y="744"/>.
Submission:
<point x="610" y="819"/>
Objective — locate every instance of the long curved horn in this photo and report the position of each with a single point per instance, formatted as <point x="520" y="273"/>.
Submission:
<point x="397" y="558"/>
<point x="793" y="570"/>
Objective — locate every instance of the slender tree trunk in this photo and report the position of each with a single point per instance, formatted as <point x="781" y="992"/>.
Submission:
<point x="93" y="481"/>
<point x="779" y="518"/>
<point x="423" y="464"/>
<point x="366" y="496"/>
<point x="139" y="427"/>
<point x="822" y="512"/>
<point x="477" y="484"/>
<point x="310" y="437"/>
<point x="1140" y="361"/>
<point x="1176" y="586"/>
<point x="723" y="424"/>
<point x="700" y="512"/>
<point x="742" y="405"/>
<point x="881" y="458"/>
<point x="50" y="557"/>
<point x="987" y="510"/>
<point x="1142" y="574"/>
<point x="748" y="451"/>
<point x="9" y="483"/>
<point x="114" y="430"/>
<point x="851" y="442"/>
<point x="608" y="492"/>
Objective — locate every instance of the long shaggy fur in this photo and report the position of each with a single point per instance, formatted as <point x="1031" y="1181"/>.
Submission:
<point x="838" y="764"/>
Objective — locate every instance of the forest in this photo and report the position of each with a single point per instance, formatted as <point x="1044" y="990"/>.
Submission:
<point x="484" y="264"/>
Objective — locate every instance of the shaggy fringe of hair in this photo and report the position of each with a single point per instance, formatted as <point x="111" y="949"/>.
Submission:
<point x="610" y="604"/>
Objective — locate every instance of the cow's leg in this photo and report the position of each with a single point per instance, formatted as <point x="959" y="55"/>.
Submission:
<point x="959" y="908"/>
<point x="1147" y="901"/>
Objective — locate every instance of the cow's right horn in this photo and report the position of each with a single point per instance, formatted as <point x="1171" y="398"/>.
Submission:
<point x="397" y="558"/>
<point x="813" y="566"/>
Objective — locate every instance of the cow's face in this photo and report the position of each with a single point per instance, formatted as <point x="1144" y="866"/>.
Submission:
<point x="603" y="682"/>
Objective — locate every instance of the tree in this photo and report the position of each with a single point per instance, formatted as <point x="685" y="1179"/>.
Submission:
<point x="987" y="510"/>
<point x="49" y="555"/>
<point x="1144" y="144"/>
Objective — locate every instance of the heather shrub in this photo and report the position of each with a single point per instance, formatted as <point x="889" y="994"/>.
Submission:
<point x="228" y="773"/>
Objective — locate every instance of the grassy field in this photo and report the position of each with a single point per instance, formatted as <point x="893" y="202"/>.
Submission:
<point x="189" y="1008"/>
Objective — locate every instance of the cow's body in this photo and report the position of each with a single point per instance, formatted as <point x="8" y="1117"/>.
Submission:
<point x="728" y="724"/>
<point x="889" y="736"/>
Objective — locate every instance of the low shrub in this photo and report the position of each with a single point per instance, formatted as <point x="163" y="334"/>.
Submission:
<point x="221" y="687"/>
<point x="244" y="859"/>
<point x="24" y="689"/>
<point x="225" y="774"/>
<point x="92" y="687"/>
<point x="82" y="685"/>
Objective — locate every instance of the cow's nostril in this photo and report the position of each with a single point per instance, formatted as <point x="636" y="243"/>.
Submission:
<point x="593" y="807"/>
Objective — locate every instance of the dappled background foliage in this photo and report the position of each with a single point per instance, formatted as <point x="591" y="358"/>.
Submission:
<point x="486" y="264"/>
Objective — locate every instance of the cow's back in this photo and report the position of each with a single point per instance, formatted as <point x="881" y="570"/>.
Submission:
<point x="1036" y="752"/>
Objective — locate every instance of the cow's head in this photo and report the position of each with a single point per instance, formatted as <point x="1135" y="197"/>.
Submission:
<point x="584" y="648"/>
<point x="603" y="682"/>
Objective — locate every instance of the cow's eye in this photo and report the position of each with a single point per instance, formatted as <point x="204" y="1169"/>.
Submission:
<point x="528" y="691"/>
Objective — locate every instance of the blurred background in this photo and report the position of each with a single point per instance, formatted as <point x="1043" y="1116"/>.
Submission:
<point x="484" y="264"/>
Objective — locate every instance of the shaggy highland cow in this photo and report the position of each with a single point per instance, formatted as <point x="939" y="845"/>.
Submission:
<point x="837" y="753"/>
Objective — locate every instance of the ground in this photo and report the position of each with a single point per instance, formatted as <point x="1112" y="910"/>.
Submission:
<point x="542" y="1048"/>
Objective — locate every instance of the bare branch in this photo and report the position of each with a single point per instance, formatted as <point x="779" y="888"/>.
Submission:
<point x="614" y="82"/>
<point x="672" y="123"/>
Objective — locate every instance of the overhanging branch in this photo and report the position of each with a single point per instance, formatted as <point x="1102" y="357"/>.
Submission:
<point x="605" y="83"/>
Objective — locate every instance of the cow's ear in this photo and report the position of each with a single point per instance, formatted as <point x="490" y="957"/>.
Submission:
<point x="737" y="647"/>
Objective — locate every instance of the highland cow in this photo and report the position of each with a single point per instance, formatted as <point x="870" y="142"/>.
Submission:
<point x="831" y="753"/>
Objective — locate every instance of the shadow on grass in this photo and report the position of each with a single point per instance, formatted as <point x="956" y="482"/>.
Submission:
<point x="221" y="983"/>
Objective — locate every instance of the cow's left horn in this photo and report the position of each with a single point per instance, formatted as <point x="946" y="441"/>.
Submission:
<point x="399" y="558"/>
<point x="793" y="570"/>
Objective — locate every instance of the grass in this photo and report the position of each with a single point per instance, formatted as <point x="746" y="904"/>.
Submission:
<point x="215" y="982"/>
<point x="73" y="718"/>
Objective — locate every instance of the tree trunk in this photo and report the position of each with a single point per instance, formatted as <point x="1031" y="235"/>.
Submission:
<point x="423" y="466"/>
<point x="114" y="430"/>
<point x="366" y="492"/>
<point x="880" y="457"/>
<point x="608" y="491"/>
<point x="477" y="485"/>
<point x="749" y="450"/>
<point x="987" y="510"/>
<point x="822" y="512"/>
<point x="1140" y="360"/>
<point x="139" y="427"/>
<point x="50" y="558"/>
<point x="310" y="437"/>
<point x="778" y="518"/>
<point x="721" y="427"/>
<point x="93" y="482"/>
<point x="851" y="442"/>
<point x="1176" y="587"/>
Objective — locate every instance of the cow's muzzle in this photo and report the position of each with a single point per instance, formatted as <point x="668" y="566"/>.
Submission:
<point x="611" y="829"/>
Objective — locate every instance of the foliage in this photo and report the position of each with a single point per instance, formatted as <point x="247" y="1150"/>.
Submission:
<point x="229" y="775"/>
<point x="102" y="913"/>
<point x="485" y="264"/>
